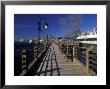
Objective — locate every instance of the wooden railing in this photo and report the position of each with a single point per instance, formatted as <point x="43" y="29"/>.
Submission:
<point x="27" y="58"/>
<point x="81" y="55"/>
<point x="93" y="61"/>
<point x="84" y="55"/>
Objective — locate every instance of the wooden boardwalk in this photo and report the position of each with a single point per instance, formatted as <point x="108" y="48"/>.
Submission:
<point x="55" y="64"/>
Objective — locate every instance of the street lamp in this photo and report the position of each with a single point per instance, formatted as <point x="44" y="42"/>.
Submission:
<point x="40" y="26"/>
<point x="46" y="25"/>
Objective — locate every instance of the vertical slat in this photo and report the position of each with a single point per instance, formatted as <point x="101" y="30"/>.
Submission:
<point x="24" y="65"/>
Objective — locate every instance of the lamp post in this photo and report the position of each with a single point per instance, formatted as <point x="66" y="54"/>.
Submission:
<point x="47" y="39"/>
<point x="40" y="27"/>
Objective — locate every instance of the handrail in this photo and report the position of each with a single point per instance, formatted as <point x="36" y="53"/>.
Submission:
<point x="93" y="61"/>
<point x="86" y="57"/>
<point x="31" y="64"/>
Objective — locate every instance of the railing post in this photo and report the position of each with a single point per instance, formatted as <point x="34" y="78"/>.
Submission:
<point x="90" y="61"/>
<point x="59" y="44"/>
<point x="44" y="46"/>
<point x="35" y="53"/>
<point x="24" y="65"/>
<point x="76" y="49"/>
<point x="87" y="60"/>
<point x="67" y="49"/>
<point x="73" y="53"/>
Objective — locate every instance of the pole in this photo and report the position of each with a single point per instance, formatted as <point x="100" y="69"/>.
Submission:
<point x="47" y="39"/>
<point x="39" y="28"/>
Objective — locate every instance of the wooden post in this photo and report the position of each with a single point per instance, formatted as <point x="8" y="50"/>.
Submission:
<point x="44" y="46"/>
<point x="35" y="52"/>
<point x="73" y="53"/>
<point x="90" y="61"/>
<point x="59" y="44"/>
<point x="76" y="51"/>
<point x="87" y="60"/>
<point x="24" y="65"/>
<point x="67" y="49"/>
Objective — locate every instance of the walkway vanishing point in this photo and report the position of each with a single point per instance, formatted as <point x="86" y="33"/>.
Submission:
<point x="55" y="64"/>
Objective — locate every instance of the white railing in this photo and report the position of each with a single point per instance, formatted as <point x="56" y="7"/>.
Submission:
<point x="88" y="42"/>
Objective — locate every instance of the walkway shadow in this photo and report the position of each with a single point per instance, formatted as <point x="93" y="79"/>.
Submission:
<point x="51" y="57"/>
<point x="44" y="61"/>
<point x="33" y="70"/>
<point x="57" y="67"/>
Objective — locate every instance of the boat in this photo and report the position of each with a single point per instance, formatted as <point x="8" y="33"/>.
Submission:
<point x="89" y="37"/>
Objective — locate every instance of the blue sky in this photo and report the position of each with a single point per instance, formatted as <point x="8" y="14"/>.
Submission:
<point x="25" y="25"/>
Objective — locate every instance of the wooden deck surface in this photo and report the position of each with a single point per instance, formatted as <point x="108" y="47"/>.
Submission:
<point x="55" y="64"/>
